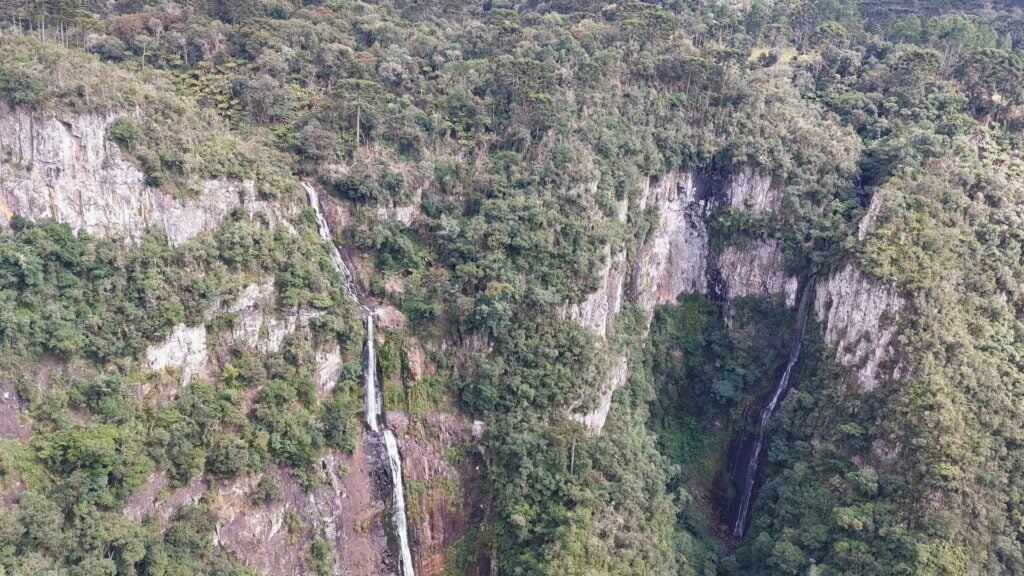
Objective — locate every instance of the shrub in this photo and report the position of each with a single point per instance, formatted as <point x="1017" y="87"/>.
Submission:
<point x="21" y="87"/>
<point x="356" y="187"/>
<point x="124" y="132"/>
<point x="267" y="491"/>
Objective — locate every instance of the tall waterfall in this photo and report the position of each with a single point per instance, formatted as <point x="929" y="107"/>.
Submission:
<point x="394" y="460"/>
<point x="370" y="371"/>
<point x="372" y="390"/>
<point x="325" y="234"/>
<point x="752" y="445"/>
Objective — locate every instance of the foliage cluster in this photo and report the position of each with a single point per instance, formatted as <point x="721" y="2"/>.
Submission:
<point x="534" y="122"/>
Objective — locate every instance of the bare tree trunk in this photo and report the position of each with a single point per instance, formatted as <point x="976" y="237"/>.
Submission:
<point x="572" y="459"/>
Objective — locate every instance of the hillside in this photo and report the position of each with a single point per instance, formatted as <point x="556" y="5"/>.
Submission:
<point x="563" y="287"/>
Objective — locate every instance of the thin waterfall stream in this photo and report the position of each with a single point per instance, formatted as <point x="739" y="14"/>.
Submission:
<point x="373" y="399"/>
<point x="748" y="455"/>
<point x="372" y="391"/>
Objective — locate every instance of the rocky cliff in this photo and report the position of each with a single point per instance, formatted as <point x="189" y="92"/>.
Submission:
<point x="673" y="259"/>
<point x="64" y="167"/>
<point x="258" y="324"/>
<point x="859" y="315"/>
<point x="677" y="257"/>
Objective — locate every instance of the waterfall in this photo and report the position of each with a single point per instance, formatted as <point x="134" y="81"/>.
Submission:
<point x="370" y="363"/>
<point x="325" y="234"/>
<point x="746" y="476"/>
<point x="374" y="399"/>
<point x="401" y="523"/>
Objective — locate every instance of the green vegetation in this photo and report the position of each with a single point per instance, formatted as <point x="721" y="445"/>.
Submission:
<point x="176" y="143"/>
<point x="82" y="296"/>
<point x="517" y="130"/>
<point x="97" y="438"/>
<point x="704" y="371"/>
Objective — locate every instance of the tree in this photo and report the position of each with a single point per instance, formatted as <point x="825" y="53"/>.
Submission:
<point x="993" y="80"/>
<point x="360" y="106"/>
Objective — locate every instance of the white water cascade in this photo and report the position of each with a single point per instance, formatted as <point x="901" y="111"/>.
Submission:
<point x="325" y="234"/>
<point x="372" y="391"/>
<point x="373" y="400"/>
<point x="747" y="475"/>
<point x="394" y="459"/>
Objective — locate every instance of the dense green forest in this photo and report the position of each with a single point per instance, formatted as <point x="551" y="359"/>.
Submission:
<point x="530" y="122"/>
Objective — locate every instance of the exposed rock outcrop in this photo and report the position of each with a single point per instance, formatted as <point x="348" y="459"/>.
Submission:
<point x="595" y="419"/>
<point x="63" y="167"/>
<point x="874" y="209"/>
<point x="752" y="191"/>
<point x="755" y="269"/>
<point x="406" y="213"/>
<point x="415" y="364"/>
<point x="185" y="348"/>
<point x="600" y="309"/>
<point x="387" y="316"/>
<point x="260" y="325"/>
<point x="442" y="508"/>
<point x="674" y="257"/>
<point x="156" y="501"/>
<point x="12" y="424"/>
<point x="328" y="368"/>
<point x="263" y="537"/>
<point x="860" y="315"/>
<point x="340" y="509"/>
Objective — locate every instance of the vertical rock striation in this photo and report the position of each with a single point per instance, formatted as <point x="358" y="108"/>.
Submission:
<point x="673" y="258"/>
<point x="860" y="315"/>
<point x="65" y="168"/>
<point x="677" y="257"/>
<point x="751" y="191"/>
<point x="755" y="269"/>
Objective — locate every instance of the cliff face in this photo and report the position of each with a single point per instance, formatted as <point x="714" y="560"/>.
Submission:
<point x="442" y="493"/>
<point x="63" y="167"/>
<point x="604" y="305"/>
<point x="341" y="508"/>
<point x="859" y="314"/>
<point x="755" y="269"/>
<point x="671" y="260"/>
<point x="258" y="325"/>
<point x="751" y="191"/>
<point x="342" y="500"/>
<point x="676" y="257"/>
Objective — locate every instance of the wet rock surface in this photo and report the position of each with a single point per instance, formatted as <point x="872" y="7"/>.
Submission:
<point x="442" y="465"/>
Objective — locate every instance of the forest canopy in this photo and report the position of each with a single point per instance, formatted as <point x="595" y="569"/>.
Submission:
<point x="518" y="129"/>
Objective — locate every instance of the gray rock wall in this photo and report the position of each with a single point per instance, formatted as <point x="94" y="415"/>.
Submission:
<point x="63" y="167"/>
<point x="859" y="313"/>
<point x="860" y="316"/>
